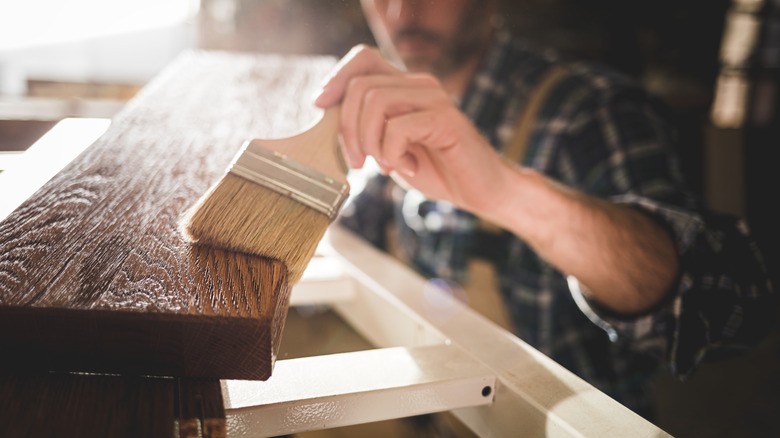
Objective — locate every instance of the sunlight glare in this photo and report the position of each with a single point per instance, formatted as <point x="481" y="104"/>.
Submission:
<point x="33" y="23"/>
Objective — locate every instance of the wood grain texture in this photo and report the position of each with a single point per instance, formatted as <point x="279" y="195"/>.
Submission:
<point x="85" y="406"/>
<point x="90" y="405"/>
<point x="201" y="410"/>
<point x="93" y="273"/>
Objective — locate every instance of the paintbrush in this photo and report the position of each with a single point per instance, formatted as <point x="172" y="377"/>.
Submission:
<point x="277" y="198"/>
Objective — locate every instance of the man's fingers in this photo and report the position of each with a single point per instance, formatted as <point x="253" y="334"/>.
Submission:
<point x="393" y="98"/>
<point x="406" y="136"/>
<point x="359" y="61"/>
<point x="352" y="118"/>
<point x="370" y="101"/>
<point x="372" y="92"/>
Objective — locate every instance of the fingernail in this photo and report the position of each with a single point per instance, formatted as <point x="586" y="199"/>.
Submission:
<point x="349" y="156"/>
<point x="408" y="166"/>
<point x="355" y="161"/>
<point x="408" y="172"/>
<point x="317" y="96"/>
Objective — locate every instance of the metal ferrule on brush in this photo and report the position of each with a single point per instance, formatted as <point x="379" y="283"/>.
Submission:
<point x="290" y="178"/>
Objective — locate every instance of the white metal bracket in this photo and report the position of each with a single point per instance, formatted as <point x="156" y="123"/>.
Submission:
<point x="351" y="388"/>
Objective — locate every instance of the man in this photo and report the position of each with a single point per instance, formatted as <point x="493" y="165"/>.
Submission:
<point x="605" y="261"/>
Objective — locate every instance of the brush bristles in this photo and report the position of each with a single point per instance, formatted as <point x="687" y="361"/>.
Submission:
<point x="239" y="215"/>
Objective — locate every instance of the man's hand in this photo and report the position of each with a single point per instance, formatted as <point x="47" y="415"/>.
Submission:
<point x="413" y="129"/>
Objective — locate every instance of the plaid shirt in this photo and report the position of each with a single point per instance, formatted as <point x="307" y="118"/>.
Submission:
<point x="598" y="132"/>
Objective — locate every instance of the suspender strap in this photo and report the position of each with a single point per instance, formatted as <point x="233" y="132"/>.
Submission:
<point x="490" y="244"/>
<point x="515" y="148"/>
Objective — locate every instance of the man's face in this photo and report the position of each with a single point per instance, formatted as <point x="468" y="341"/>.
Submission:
<point x="435" y="36"/>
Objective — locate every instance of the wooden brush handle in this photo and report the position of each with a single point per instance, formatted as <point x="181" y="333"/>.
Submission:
<point x="317" y="147"/>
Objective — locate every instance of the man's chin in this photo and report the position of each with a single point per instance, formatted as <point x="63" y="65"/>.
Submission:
<point x="422" y="61"/>
<point x="418" y="65"/>
<point x="418" y="54"/>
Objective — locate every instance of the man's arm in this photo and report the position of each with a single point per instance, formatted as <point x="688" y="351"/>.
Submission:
<point x="417" y="134"/>
<point x="626" y="259"/>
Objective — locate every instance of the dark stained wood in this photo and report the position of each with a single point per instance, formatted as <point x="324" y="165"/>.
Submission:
<point x="94" y="275"/>
<point x="85" y="406"/>
<point x="201" y="410"/>
<point x="90" y="405"/>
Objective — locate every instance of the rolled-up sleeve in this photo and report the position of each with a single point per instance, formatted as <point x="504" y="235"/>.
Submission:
<point x="723" y="302"/>
<point x="620" y="147"/>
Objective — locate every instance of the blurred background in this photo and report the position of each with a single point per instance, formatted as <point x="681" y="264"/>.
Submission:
<point x="714" y="62"/>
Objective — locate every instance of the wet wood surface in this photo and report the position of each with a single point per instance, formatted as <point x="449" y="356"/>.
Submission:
<point x="94" y="276"/>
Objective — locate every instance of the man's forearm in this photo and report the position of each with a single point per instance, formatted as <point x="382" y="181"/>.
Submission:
<point x="626" y="260"/>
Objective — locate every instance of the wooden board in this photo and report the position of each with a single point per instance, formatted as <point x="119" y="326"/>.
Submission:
<point x="93" y="273"/>
<point x="86" y="406"/>
<point x="78" y="405"/>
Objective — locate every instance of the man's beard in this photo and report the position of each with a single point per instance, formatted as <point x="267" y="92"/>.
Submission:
<point x="452" y="54"/>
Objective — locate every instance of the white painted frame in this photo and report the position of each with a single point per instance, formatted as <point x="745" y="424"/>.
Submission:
<point x="393" y="307"/>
